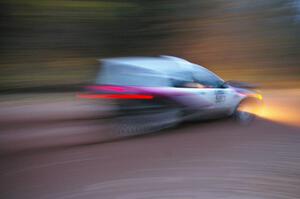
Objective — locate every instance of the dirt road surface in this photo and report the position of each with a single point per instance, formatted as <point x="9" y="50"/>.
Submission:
<point x="67" y="158"/>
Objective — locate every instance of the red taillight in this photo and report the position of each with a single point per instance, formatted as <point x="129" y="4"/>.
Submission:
<point x="115" y="96"/>
<point x="107" y="88"/>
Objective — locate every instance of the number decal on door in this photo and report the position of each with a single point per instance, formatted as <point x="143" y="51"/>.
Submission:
<point x="220" y="96"/>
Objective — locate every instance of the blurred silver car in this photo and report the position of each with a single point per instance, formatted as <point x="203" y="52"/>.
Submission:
<point x="152" y="93"/>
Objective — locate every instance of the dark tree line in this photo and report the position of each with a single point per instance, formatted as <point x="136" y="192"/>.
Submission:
<point x="49" y="41"/>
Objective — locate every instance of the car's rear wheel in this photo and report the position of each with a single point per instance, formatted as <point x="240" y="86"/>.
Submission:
<point x="147" y="122"/>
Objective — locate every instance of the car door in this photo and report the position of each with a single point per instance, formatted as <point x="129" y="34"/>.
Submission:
<point x="211" y="88"/>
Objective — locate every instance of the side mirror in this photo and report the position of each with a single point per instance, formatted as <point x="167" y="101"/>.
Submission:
<point x="241" y="84"/>
<point x="224" y="85"/>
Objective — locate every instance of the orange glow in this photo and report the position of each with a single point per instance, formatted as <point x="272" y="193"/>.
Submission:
<point x="279" y="106"/>
<point x="282" y="106"/>
<point x="281" y="113"/>
<point x="115" y="96"/>
<point x="258" y="96"/>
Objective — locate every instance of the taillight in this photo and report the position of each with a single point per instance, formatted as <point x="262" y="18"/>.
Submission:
<point x="115" y="96"/>
<point x="107" y="88"/>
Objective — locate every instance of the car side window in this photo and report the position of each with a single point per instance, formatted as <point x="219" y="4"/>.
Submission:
<point x="182" y="79"/>
<point x="207" y="79"/>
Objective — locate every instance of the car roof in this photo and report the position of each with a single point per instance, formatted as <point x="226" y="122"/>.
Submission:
<point x="168" y="66"/>
<point x="165" y="64"/>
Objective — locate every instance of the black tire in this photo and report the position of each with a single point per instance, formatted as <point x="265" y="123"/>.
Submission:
<point x="138" y="124"/>
<point x="245" y="113"/>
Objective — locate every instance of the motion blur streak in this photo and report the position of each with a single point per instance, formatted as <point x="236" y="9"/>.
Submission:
<point x="285" y="109"/>
<point x="55" y="144"/>
<point x="107" y="88"/>
<point x="282" y="114"/>
<point x="115" y="96"/>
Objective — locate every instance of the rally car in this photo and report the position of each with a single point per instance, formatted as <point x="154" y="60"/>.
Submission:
<point x="152" y="93"/>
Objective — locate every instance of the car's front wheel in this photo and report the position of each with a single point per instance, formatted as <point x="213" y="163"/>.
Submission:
<point x="246" y="111"/>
